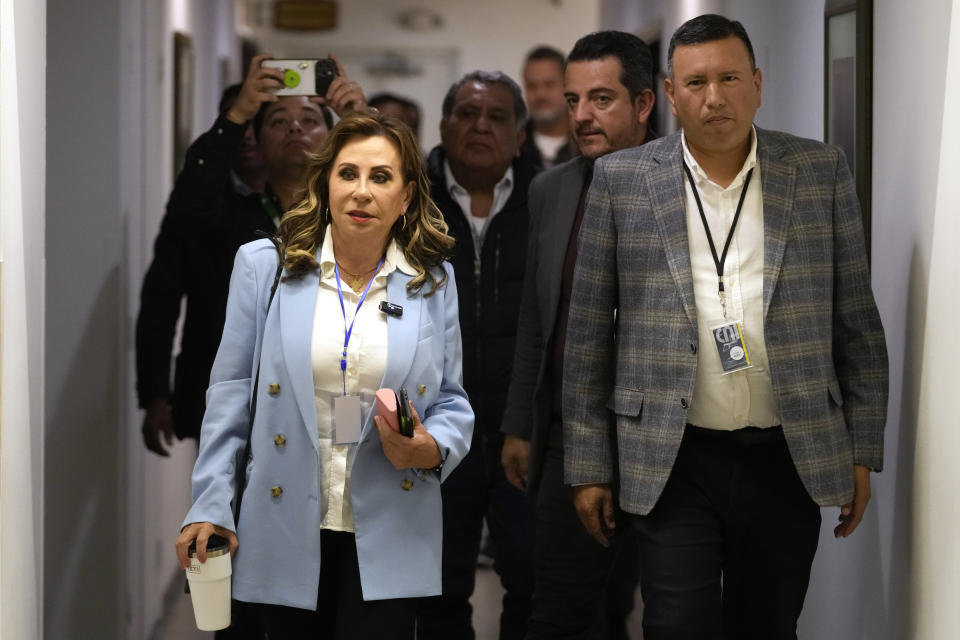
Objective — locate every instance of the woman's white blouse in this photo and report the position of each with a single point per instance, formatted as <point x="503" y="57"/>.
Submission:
<point x="366" y="361"/>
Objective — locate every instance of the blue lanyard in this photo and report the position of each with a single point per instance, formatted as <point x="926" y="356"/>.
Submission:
<point x="348" y="330"/>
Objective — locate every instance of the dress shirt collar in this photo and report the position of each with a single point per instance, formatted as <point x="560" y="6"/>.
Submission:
<point x="701" y="177"/>
<point x="501" y="190"/>
<point x="394" y="260"/>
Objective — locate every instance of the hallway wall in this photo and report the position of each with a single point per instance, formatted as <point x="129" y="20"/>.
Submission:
<point x="22" y="152"/>
<point x="111" y="509"/>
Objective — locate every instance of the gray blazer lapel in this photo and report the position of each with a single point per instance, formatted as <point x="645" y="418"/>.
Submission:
<point x="558" y="218"/>
<point x="778" y="179"/>
<point x="668" y="202"/>
<point x="297" y="301"/>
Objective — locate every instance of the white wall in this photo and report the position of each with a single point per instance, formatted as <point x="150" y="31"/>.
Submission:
<point x="111" y="510"/>
<point x="488" y="35"/>
<point x="936" y="513"/>
<point x="910" y="73"/>
<point x="158" y="489"/>
<point x="22" y="29"/>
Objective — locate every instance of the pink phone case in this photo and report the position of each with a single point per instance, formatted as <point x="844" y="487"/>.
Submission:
<point x="387" y="407"/>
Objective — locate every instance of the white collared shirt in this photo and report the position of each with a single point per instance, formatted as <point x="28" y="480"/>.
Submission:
<point x="742" y="398"/>
<point x="478" y="225"/>
<point x="366" y="361"/>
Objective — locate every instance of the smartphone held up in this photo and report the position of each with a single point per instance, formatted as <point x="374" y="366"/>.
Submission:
<point x="304" y="77"/>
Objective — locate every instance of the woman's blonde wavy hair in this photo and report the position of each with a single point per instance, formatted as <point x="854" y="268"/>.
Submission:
<point x="421" y="232"/>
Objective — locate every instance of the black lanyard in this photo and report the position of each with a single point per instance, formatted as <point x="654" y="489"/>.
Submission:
<point x="722" y="259"/>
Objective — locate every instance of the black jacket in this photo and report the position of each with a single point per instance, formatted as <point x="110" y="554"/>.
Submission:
<point x="205" y="223"/>
<point x="490" y="295"/>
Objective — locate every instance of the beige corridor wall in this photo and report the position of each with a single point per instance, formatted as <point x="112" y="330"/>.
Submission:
<point x="935" y="549"/>
<point x="22" y="32"/>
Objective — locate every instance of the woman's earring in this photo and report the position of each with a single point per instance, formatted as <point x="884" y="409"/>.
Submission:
<point x="404" y="225"/>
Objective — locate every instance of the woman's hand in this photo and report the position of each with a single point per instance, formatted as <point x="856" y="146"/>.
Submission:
<point x="201" y="532"/>
<point x="344" y="95"/>
<point x="419" y="452"/>
<point x="255" y="90"/>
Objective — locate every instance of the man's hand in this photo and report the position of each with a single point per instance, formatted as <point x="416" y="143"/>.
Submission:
<point x="158" y="427"/>
<point x="515" y="458"/>
<point x="852" y="513"/>
<point x="594" y="505"/>
<point x="255" y="90"/>
<point x="344" y="95"/>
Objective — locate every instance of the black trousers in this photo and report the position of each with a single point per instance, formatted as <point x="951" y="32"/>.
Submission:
<point x="342" y="613"/>
<point x="726" y="551"/>
<point x="478" y="489"/>
<point x="583" y="590"/>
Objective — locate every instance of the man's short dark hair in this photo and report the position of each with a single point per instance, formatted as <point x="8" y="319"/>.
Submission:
<point x="544" y="53"/>
<point x="636" y="61"/>
<point x="488" y="77"/>
<point x="411" y="108"/>
<point x="707" y="28"/>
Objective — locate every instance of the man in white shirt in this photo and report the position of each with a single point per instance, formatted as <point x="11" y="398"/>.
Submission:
<point x="479" y="180"/>
<point x="548" y="141"/>
<point x="748" y="378"/>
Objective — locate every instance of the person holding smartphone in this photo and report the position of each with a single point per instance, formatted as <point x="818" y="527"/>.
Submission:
<point x="340" y="530"/>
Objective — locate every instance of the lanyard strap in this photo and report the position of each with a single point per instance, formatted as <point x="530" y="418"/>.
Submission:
<point x="270" y="207"/>
<point x="720" y="261"/>
<point x="349" y="330"/>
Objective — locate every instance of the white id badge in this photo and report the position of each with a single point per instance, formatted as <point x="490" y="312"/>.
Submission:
<point x="346" y="419"/>
<point x="731" y="346"/>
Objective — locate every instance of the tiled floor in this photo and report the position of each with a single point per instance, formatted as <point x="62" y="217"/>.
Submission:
<point x="179" y="625"/>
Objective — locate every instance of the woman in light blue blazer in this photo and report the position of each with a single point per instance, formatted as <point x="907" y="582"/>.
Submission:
<point x="340" y="527"/>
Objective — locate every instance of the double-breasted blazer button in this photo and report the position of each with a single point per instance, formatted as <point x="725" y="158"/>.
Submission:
<point x="407" y="484"/>
<point x="276" y="491"/>
<point x="273" y="389"/>
<point x="279" y="440"/>
<point x="422" y="389"/>
<point x="684" y="403"/>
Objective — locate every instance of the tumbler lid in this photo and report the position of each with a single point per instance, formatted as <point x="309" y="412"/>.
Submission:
<point x="216" y="547"/>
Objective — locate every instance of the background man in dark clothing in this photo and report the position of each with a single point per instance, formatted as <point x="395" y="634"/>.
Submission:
<point x="608" y="83"/>
<point x="548" y="141"/>
<point x="212" y="194"/>
<point x="480" y="183"/>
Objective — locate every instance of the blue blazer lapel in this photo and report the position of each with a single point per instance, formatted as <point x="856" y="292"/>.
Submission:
<point x="402" y="336"/>
<point x="297" y="300"/>
<point x="778" y="180"/>
<point x="668" y="202"/>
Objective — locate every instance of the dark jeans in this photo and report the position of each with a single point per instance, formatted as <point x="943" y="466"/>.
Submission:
<point x="478" y="488"/>
<point x="342" y="613"/>
<point x="726" y="551"/>
<point x="576" y="595"/>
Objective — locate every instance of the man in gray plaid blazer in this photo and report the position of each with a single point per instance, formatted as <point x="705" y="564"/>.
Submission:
<point x="725" y="368"/>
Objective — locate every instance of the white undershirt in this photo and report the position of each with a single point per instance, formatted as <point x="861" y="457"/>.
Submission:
<point x="548" y="146"/>
<point x="366" y="361"/>
<point x="745" y="397"/>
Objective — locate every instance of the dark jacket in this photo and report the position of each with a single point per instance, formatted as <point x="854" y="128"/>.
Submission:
<point x="490" y="295"/>
<point x="205" y="223"/>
